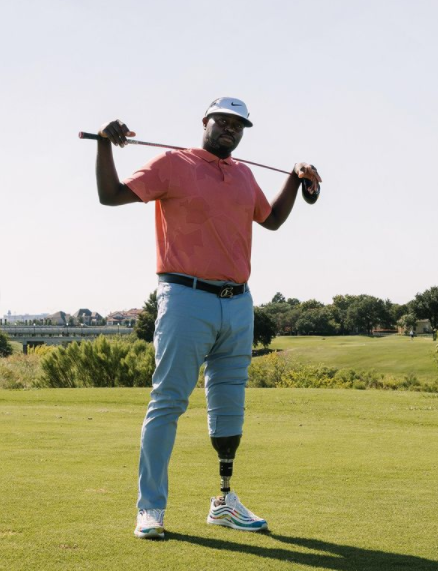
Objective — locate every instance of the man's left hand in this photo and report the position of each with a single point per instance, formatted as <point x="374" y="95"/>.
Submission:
<point x="305" y="170"/>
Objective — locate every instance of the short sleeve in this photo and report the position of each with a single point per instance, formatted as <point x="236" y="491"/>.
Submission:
<point x="262" y="207"/>
<point x="151" y="182"/>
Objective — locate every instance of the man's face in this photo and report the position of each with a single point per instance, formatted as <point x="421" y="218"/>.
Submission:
<point x="222" y="133"/>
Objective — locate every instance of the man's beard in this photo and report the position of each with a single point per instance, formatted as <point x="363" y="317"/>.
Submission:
<point x="220" y="150"/>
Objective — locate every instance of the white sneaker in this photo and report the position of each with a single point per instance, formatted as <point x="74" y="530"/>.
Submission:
<point x="230" y="512"/>
<point x="150" y="524"/>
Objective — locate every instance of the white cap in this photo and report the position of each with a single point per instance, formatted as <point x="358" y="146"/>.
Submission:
<point x="230" y="106"/>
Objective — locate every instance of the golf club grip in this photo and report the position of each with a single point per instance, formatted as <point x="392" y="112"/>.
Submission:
<point x="83" y="135"/>
<point x="307" y="195"/>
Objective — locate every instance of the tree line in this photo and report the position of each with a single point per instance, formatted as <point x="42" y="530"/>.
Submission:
<point x="346" y="315"/>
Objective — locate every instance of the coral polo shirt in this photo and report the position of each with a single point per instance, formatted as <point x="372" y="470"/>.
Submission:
<point x="204" y="210"/>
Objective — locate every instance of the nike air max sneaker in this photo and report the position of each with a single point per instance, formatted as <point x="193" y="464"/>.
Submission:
<point x="150" y="524"/>
<point x="230" y="512"/>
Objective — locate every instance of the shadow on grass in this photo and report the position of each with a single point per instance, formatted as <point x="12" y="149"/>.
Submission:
<point x="332" y="556"/>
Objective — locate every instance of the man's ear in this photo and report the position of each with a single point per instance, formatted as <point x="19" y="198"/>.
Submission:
<point x="205" y="121"/>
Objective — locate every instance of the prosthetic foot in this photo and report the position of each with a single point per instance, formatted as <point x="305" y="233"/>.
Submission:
<point x="226" y="509"/>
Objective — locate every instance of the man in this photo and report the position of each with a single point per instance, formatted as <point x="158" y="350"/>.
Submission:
<point x="205" y="204"/>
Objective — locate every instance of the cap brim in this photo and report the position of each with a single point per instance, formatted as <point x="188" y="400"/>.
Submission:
<point x="247" y="122"/>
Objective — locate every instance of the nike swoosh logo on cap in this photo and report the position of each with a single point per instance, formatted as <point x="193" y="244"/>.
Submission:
<point x="236" y="104"/>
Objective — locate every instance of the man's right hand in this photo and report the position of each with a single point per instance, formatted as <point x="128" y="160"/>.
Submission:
<point x="116" y="132"/>
<point x="111" y="191"/>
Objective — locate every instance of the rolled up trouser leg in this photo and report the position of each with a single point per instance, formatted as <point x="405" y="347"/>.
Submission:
<point x="226" y="372"/>
<point x="226" y="375"/>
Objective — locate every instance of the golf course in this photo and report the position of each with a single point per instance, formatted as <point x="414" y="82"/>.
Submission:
<point x="347" y="479"/>
<point x="392" y="355"/>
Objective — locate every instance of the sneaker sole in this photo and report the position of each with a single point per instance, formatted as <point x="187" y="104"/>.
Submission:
<point x="153" y="533"/>
<point x="227" y="523"/>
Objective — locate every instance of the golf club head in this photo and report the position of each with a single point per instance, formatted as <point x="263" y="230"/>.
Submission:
<point x="307" y="195"/>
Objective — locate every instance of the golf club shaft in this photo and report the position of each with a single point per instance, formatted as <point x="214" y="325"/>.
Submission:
<point x="92" y="136"/>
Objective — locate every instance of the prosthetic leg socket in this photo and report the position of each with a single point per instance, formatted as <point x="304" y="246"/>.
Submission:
<point x="226" y="447"/>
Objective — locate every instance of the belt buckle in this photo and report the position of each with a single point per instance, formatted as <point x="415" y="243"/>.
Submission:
<point x="226" y="291"/>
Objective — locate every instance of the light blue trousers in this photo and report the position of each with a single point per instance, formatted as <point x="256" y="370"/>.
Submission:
<point x="193" y="326"/>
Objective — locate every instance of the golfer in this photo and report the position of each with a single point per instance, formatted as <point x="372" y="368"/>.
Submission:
<point x="205" y="204"/>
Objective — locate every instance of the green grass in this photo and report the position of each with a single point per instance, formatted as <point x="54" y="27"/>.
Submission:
<point x="394" y="355"/>
<point x="346" y="479"/>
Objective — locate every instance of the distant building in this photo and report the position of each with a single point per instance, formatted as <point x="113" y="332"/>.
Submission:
<point x="59" y="318"/>
<point x="133" y="314"/>
<point x="115" y="318"/>
<point x="87" y="317"/>
<point x="423" y="327"/>
<point x="82" y="316"/>
<point x="96" y="318"/>
<point x="11" y="318"/>
<point x="123" y="317"/>
<point x="379" y="332"/>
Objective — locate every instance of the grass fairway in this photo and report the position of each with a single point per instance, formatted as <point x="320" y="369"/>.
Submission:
<point x="346" y="479"/>
<point x="394" y="355"/>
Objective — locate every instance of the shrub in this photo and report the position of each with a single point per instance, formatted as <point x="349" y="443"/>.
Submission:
<point x="410" y="382"/>
<point x="5" y="346"/>
<point x="275" y="370"/>
<point x="359" y="385"/>
<point x="99" y="363"/>
<point x="308" y="376"/>
<point x="267" y="371"/>
<point x="41" y="350"/>
<point x="19" y="371"/>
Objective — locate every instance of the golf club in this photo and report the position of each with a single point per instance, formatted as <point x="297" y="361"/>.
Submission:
<point x="309" y="197"/>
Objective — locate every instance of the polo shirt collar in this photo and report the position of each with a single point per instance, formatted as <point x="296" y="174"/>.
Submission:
<point x="209" y="157"/>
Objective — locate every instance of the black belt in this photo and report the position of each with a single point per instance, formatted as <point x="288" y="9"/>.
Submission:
<point x="225" y="290"/>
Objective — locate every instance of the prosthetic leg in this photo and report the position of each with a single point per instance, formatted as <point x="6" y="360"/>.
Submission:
<point x="226" y="447"/>
<point x="226" y="509"/>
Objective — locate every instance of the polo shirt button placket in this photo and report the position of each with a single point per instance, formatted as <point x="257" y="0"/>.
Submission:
<point x="225" y="174"/>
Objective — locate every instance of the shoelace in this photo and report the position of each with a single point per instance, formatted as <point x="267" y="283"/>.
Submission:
<point x="236" y="504"/>
<point x="244" y="510"/>
<point x="152" y="515"/>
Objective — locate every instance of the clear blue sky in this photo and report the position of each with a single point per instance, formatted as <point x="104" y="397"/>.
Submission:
<point x="348" y="85"/>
